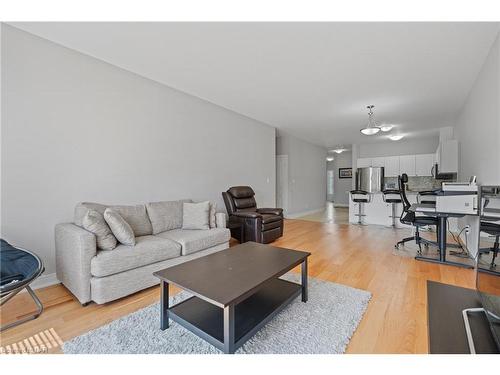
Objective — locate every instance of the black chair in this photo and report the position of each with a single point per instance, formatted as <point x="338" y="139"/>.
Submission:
<point x="393" y="197"/>
<point x="492" y="229"/>
<point x="18" y="269"/>
<point x="249" y="223"/>
<point x="409" y="218"/>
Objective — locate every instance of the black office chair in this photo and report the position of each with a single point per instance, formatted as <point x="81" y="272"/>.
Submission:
<point x="360" y="197"/>
<point x="493" y="230"/>
<point x="409" y="218"/>
<point x="393" y="197"/>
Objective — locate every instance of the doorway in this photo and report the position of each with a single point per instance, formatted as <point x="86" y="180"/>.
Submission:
<point x="282" y="189"/>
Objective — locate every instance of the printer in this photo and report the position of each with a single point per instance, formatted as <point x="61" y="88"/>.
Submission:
<point x="458" y="197"/>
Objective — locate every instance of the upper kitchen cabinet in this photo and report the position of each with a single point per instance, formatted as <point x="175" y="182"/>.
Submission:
<point x="364" y="162"/>
<point x="407" y="164"/>
<point x="378" y="162"/>
<point x="391" y="166"/>
<point x="447" y="156"/>
<point x="424" y="164"/>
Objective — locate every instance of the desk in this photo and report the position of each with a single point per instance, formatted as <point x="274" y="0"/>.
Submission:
<point x="430" y="210"/>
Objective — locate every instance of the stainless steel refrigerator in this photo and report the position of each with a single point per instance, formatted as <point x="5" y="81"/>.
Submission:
<point x="370" y="179"/>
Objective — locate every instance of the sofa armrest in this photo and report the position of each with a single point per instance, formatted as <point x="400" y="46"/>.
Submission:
<point x="75" y="248"/>
<point x="247" y="215"/>
<point x="220" y="220"/>
<point x="272" y="211"/>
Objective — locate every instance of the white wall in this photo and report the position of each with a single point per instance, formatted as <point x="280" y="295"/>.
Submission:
<point x="341" y="186"/>
<point x="306" y="173"/>
<point x="78" y="129"/>
<point x="395" y="148"/>
<point x="478" y="124"/>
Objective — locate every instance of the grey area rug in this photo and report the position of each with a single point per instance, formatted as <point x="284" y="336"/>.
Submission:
<point x="324" y="324"/>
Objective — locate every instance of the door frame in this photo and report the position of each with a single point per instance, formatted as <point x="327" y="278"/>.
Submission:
<point x="283" y="201"/>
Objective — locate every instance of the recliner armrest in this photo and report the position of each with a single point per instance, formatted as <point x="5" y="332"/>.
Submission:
<point x="248" y="215"/>
<point x="273" y="211"/>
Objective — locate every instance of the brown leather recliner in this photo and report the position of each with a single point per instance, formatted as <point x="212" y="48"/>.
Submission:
<point x="263" y="225"/>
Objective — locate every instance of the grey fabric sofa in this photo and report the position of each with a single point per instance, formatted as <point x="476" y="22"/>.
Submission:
<point x="105" y="275"/>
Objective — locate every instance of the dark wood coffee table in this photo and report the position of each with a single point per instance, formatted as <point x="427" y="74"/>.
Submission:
<point x="235" y="292"/>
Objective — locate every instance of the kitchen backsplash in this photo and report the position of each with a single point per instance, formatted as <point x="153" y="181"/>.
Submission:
<point x="414" y="183"/>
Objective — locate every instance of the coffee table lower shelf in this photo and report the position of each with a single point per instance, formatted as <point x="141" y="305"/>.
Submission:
<point x="207" y="320"/>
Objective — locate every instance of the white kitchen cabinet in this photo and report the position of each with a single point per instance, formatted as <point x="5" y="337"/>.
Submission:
<point x="364" y="162"/>
<point x="424" y="164"/>
<point x="407" y="164"/>
<point x="447" y="156"/>
<point x="378" y="162"/>
<point x="391" y="166"/>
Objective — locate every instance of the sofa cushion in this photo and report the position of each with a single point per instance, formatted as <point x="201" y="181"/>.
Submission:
<point x="166" y="215"/>
<point x="137" y="217"/>
<point x="94" y="222"/>
<point x="196" y="215"/>
<point x="194" y="240"/>
<point x="82" y="208"/>
<point x="147" y="250"/>
<point x="120" y="228"/>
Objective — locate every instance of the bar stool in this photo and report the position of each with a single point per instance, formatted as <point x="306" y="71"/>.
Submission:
<point x="393" y="197"/>
<point x="360" y="197"/>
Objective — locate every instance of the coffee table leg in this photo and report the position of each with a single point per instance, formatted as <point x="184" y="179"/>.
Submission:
<point x="164" y="306"/>
<point x="229" y="329"/>
<point x="304" y="280"/>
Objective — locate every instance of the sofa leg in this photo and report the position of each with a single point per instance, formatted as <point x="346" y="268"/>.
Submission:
<point x="85" y="304"/>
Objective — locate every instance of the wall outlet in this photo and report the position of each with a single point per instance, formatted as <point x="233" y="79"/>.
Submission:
<point x="467" y="229"/>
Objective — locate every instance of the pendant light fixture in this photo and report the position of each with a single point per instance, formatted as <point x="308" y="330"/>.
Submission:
<point x="339" y="149"/>
<point x="371" y="128"/>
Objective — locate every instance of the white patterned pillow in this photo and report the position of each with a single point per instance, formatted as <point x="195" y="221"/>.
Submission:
<point x="213" y="207"/>
<point x="196" y="215"/>
<point x="94" y="222"/>
<point x="120" y="228"/>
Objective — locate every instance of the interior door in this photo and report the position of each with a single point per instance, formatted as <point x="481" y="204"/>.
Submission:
<point x="282" y="188"/>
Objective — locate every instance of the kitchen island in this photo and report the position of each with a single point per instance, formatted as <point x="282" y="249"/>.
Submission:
<point x="378" y="212"/>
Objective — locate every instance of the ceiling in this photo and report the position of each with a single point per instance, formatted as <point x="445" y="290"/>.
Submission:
<point x="312" y="80"/>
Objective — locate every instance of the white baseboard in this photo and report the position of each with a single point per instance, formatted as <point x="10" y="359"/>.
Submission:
<point x="44" y="281"/>
<point x="304" y="213"/>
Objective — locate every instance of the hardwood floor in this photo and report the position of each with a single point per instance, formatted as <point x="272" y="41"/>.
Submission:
<point x="331" y="214"/>
<point x="358" y="256"/>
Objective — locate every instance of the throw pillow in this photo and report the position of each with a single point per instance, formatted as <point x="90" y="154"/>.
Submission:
<point x="213" y="207"/>
<point x="94" y="222"/>
<point x="82" y="208"/>
<point x="195" y="215"/>
<point x="120" y="228"/>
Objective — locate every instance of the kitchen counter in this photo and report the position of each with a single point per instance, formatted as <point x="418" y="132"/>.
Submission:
<point x="378" y="212"/>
